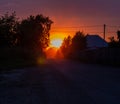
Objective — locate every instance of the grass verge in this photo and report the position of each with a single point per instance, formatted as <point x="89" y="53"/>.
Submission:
<point x="11" y="58"/>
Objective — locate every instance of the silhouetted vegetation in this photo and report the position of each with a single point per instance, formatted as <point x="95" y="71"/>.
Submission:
<point x="115" y="43"/>
<point x="34" y="32"/>
<point x="27" y="38"/>
<point x="8" y="30"/>
<point x="75" y="48"/>
<point x="118" y="35"/>
<point x="73" y="45"/>
<point x="66" y="46"/>
<point x="78" y="41"/>
<point x="22" y="42"/>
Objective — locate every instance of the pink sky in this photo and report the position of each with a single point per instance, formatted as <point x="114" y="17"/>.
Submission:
<point x="67" y="14"/>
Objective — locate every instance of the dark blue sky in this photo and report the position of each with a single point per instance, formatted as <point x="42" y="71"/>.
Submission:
<point x="67" y="12"/>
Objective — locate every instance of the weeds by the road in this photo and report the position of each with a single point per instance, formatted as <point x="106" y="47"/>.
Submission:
<point x="11" y="58"/>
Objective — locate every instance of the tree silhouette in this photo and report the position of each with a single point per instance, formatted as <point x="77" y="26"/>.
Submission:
<point x="118" y="35"/>
<point x="66" y="46"/>
<point x="78" y="41"/>
<point x="8" y="30"/>
<point x="114" y="43"/>
<point x="112" y="39"/>
<point x="34" y="32"/>
<point x="71" y="46"/>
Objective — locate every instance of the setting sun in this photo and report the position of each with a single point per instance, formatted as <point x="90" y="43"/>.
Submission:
<point x="56" y="42"/>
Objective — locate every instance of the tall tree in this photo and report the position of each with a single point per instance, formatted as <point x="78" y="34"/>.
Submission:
<point x="34" y="32"/>
<point x="78" y="41"/>
<point x="118" y="35"/>
<point x="71" y="46"/>
<point x="8" y="30"/>
<point x="66" y="46"/>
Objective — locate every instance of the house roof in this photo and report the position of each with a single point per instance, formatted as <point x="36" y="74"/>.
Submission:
<point x="95" y="41"/>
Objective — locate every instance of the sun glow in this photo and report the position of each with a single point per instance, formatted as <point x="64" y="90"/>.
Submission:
<point x="54" y="51"/>
<point x="56" y="43"/>
<point x="56" y="39"/>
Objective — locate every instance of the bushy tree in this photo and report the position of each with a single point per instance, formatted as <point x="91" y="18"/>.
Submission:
<point x="8" y="30"/>
<point x="66" y="46"/>
<point x="118" y="35"/>
<point x="34" y="32"/>
<point x="113" y="43"/>
<point x="71" y="46"/>
<point x="78" y="41"/>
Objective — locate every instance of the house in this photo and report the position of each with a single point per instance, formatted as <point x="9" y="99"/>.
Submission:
<point x="95" y="48"/>
<point x="95" y="41"/>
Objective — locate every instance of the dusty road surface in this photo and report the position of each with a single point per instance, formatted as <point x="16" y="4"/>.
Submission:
<point x="61" y="82"/>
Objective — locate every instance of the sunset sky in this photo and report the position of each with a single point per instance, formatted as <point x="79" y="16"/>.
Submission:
<point x="70" y="15"/>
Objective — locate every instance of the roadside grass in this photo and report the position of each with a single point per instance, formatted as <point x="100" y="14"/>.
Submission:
<point x="11" y="58"/>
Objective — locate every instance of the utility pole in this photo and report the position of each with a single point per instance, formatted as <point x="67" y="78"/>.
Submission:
<point x="104" y="32"/>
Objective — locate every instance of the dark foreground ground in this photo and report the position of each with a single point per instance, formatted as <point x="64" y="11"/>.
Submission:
<point x="61" y="82"/>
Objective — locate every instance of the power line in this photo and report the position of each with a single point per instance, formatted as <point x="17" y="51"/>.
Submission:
<point x="104" y="30"/>
<point x="89" y="26"/>
<point x="79" y="26"/>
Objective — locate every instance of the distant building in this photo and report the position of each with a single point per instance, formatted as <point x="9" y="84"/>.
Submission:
<point x="95" y="41"/>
